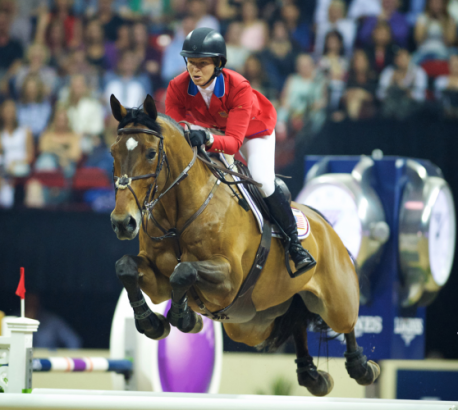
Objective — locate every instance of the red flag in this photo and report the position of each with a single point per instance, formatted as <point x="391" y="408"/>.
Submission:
<point x="20" y="291"/>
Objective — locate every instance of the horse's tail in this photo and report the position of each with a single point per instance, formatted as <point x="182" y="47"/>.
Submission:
<point x="296" y="316"/>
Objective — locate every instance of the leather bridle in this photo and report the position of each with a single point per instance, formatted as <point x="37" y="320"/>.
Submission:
<point x="124" y="182"/>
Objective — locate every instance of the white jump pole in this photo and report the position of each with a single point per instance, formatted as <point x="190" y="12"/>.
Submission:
<point x="173" y="401"/>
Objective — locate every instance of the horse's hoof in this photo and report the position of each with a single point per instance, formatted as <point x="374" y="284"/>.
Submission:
<point x="198" y="326"/>
<point x="151" y="331"/>
<point x="166" y="325"/>
<point x="322" y="386"/>
<point x="371" y="375"/>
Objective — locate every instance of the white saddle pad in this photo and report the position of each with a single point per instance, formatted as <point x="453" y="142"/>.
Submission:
<point x="303" y="225"/>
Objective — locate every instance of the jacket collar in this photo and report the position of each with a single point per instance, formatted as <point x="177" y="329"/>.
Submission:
<point x="219" y="90"/>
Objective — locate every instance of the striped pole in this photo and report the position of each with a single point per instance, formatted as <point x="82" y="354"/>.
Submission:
<point x="84" y="364"/>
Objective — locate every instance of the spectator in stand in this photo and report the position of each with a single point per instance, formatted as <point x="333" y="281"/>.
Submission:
<point x="363" y="8"/>
<point x="255" y="33"/>
<point x="127" y="88"/>
<point x="72" y="25"/>
<point x="109" y="20"/>
<point x="59" y="146"/>
<point x="16" y="142"/>
<point x="397" y="21"/>
<point x="334" y="66"/>
<point x="172" y="63"/>
<point x="298" y="29"/>
<point x="304" y="97"/>
<point x="279" y="58"/>
<point x="11" y="51"/>
<point x="34" y="108"/>
<point x="254" y="73"/>
<point x="100" y="54"/>
<point x="37" y="58"/>
<point x="402" y="87"/>
<point x="236" y="54"/>
<point x="123" y="41"/>
<point x="85" y="113"/>
<point x="446" y="88"/>
<point x="199" y="10"/>
<point x="435" y="31"/>
<point x="336" y="22"/>
<point x="381" y="52"/>
<point x="359" y="99"/>
<point x="21" y="25"/>
<point x="149" y="57"/>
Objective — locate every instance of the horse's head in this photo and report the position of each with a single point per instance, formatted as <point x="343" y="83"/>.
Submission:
<point x="137" y="158"/>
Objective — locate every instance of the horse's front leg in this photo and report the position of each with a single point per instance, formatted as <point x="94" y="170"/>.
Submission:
<point x="153" y="325"/>
<point x="211" y="276"/>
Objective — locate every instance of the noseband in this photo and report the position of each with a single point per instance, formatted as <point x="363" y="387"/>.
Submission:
<point x="124" y="182"/>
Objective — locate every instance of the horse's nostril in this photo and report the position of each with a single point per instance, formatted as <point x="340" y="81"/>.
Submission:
<point x="131" y="224"/>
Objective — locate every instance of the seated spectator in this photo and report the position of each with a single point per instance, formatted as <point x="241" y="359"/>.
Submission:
<point x="397" y="21"/>
<point x="255" y="32"/>
<point x="435" y="31"/>
<point x="16" y="142"/>
<point x="37" y="58"/>
<point x="254" y="73"/>
<point x="109" y="20"/>
<point x="21" y="25"/>
<point x="381" y="52"/>
<point x="85" y="114"/>
<point x="236" y="54"/>
<point x="148" y="57"/>
<point x="100" y="54"/>
<point x="359" y="98"/>
<point x="172" y="63"/>
<point x="34" y="108"/>
<point x="298" y="29"/>
<point x="279" y="57"/>
<point x="11" y="51"/>
<point x="363" y="8"/>
<point x="304" y="97"/>
<point x="452" y="9"/>
<point x="123" y="40"/>
<point x="127" y="88"/>
<point x="402" y="87"/>
<point x="51" y="33"/>
<point x="334" y="66"/>
<point x="72" y="24"/>
<point x="199" y="10"/>
<point x="59" y="146"/>
<point x="336" y="22"/>
<point x="446" y="88"/>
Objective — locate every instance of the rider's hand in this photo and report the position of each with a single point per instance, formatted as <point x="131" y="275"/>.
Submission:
<point x="197" y="138"/>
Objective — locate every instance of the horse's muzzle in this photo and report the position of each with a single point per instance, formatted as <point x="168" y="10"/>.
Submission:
<point x="125" y="227"/>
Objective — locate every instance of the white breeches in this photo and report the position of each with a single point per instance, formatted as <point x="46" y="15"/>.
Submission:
<point x="259" y="153"/>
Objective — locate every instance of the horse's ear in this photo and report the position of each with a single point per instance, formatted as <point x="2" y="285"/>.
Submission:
<point x="149" y="107"/>
<point x="118" y="110"/>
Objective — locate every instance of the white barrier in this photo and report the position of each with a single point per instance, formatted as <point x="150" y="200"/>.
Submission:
<point x="118" y="400"/>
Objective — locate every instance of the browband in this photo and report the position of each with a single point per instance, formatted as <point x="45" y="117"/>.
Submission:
<point x="139" y="131"/>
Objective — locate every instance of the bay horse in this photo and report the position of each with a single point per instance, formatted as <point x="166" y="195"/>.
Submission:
<point x="197" y="245"/>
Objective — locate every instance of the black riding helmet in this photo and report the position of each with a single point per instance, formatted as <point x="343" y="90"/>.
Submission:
<point x="205" y="42"/>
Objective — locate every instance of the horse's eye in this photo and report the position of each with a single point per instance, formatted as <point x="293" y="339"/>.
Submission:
<point x="150" y="154"/>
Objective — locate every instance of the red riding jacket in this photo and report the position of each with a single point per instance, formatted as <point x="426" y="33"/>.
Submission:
<point x="235" y="108"/>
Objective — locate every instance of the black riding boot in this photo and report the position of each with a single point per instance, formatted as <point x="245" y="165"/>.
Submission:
<point x="282" y="214"/>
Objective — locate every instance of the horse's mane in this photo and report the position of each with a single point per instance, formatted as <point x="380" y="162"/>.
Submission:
<point x="138" y="116"/>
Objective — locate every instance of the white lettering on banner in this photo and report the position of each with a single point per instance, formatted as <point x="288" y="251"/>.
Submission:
<point x="408" y="328"/>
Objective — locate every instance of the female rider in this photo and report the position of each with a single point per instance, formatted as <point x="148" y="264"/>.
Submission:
<point x="211" y="96"/>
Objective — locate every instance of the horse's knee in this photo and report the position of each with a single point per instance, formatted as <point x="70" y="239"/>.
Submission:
<point x="127" y="270"/>
<point x="183" y="277"/>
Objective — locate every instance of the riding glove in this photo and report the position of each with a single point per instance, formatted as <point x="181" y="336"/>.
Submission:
<point x="198" y="138"/>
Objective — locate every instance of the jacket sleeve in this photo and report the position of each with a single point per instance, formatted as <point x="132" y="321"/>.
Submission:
<point x="237" y="122"/>
<point x="174" y="106"/>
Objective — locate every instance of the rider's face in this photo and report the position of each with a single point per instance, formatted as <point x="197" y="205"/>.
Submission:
<point x="201" y="70"/>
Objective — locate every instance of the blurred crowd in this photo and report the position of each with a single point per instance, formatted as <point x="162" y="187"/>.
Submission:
<point x="316" y="60"/>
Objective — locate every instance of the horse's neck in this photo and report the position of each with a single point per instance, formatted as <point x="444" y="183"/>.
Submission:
<point x="185" y="198"/>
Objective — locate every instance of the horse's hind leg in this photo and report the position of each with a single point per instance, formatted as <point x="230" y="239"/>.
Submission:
<point x="317" y="382"/>
<point x="364" y="371"/>
<point x="154" y="326"/>
<point x="210" y="275"/>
